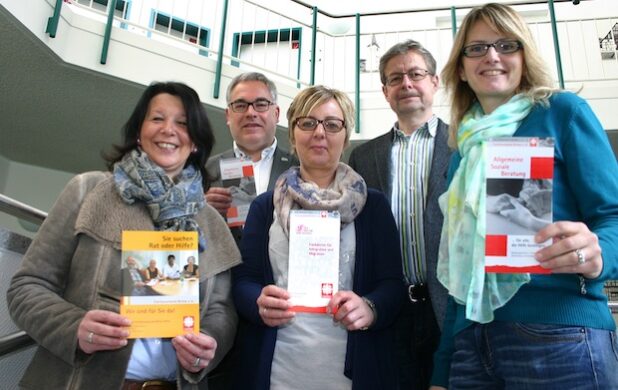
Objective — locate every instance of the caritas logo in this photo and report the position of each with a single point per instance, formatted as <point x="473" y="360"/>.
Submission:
<point x="187" y="323"/>
<point x="327" y="290"/>
<point x="303" y="229"/>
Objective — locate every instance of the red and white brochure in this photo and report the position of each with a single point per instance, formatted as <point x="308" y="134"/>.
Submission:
<point x="313" y="269"/>
<point x="237" y="175"/>
<point x="518" y="202"/>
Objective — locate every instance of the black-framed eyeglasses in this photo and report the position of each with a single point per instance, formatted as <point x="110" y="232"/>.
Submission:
<point x="330" y="125"/>
<point x="260" y="105"/>
<point x="415" y="74"/>
<point x="502" y="46"/>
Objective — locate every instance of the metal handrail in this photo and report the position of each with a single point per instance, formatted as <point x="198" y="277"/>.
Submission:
<point x="19" y="340"/>
<point x="15" y="342"/>
<point x="21" y="210"/>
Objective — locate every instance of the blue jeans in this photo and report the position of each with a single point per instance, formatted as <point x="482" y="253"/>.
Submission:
<point x="505" y="355"/>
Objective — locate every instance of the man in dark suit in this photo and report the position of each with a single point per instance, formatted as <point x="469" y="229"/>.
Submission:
<point x="133" y="283"/>
<point x="252" y="115"/>
<point x="409" y="165"/>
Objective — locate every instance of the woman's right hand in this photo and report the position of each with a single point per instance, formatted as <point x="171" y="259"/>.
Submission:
<point x="273" y="306"/>
<point x="437" y="388"/>
<point x="102" y="330"/>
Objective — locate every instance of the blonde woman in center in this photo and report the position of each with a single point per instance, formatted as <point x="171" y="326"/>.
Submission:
<point x="352" y="349"/>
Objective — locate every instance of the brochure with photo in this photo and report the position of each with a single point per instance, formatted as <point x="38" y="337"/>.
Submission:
<point x="313" y="269"/>
<point x="237" y="175"/>
<point x="518" y="202"/>
<point x="160" y="283"/>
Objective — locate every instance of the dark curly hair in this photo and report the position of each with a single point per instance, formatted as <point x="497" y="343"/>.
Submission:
<point x="198" y="126"/>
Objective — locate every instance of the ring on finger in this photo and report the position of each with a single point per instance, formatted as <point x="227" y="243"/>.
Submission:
<point x="90" y="337"/>
<point x="581" y="257"/>
<point x="196" y="363"/>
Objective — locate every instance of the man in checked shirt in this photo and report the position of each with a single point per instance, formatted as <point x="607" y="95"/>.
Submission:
<point x="409" y="164"/>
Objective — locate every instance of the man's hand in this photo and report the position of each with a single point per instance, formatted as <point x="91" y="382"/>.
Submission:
<point x="220" y="198"/>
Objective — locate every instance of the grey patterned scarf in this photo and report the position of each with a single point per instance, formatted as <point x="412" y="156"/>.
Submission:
<point x="171" y="205"/>
<point x="347" y="194"/>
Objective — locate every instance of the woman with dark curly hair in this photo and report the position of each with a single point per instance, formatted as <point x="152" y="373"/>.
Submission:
<point x="67" y="292"/>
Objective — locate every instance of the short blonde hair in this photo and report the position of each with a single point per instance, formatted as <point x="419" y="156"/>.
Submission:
<point x="536" y="81"/>
<point x="310" y="98"/>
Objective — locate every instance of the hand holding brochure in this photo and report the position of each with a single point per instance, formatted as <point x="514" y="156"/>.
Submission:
<point x="313" y="273"/>
<point x="518" y="202"/>
<point x="159" y="307"/>
<point x="237" y="175"/>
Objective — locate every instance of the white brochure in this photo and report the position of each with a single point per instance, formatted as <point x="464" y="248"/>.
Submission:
<point x="518" y="202"/>
<point x="237" y="175"/>
<point x="313" y="273"/>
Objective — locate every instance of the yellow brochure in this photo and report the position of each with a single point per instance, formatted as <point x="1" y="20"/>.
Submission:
<point x="160" y="286"/>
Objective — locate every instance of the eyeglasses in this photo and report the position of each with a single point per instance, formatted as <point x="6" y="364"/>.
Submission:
<point x="503" y="46"/>
<point x="396" y="79"/>
<point x="260" y="105"/>
<point x="330" y="125"/>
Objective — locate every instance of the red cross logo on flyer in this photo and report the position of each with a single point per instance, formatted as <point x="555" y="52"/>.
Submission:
<point x="327" y="290"/>
<point x="188" y="322"/>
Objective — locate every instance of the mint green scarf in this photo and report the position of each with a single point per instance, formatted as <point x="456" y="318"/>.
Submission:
<point x="461" y="259"/>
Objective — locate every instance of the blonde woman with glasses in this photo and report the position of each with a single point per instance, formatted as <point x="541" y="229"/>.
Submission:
<point x="351" y="345"/>
<point x="522" y="331"/>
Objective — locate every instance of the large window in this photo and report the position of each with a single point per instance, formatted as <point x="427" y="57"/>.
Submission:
<point x="182" y="29"/>
<point x="121" y="10"/>
<point x="272" y="49"/>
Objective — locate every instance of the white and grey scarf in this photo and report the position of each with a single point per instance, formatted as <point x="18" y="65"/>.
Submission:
<point x="347" y="194"/>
